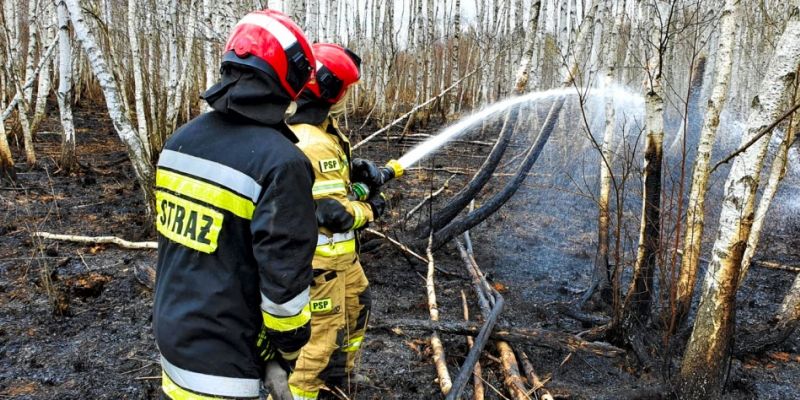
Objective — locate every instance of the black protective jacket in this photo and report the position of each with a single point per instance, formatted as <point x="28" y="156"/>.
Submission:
<point x="237" y="233"/>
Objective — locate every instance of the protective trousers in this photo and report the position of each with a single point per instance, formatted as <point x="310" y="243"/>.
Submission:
<point x="340" y="306"/>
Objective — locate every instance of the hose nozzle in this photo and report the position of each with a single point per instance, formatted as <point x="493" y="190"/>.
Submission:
<point x="396" y="169"/>
<point x="392" y="170"/>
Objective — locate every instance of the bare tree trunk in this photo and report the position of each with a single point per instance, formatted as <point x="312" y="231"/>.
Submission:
<point x="706" y="360"/>
<point x="695" y="212"/>
<point x="141" y="164"/>
<point x="776" y="174"/>
<point x="45" y="82"/>
<point x="171" y="20"/>
<point x="6" y="159"/>
<point x="138" y="78"/>
<point x="312" y="21"/>
<point x="521" y="82"/>
<point x="640" y="292"/>
<point x="600" y="290"/>
<point x="69" y="161"/>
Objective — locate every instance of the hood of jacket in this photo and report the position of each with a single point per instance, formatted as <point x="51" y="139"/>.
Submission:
<point x="310" y="110"/>
<point x="247" y="94"/>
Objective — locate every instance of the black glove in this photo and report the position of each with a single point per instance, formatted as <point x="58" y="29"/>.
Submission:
<point x="266" y="350"/>
<point x="333" y="216"/>
<point x="367" y="172"/>
<point x="378" y="203"/>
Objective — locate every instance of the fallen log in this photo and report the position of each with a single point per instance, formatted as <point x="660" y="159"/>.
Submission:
<point x="533" y="379"/>
<point x="97" y="240"/>
<point x="511" y="376"/>
<point x="445" y="383"/>
<point x="477" y="392"/>
<point x="534" y="336"/>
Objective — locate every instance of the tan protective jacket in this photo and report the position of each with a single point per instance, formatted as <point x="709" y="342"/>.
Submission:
<point x="329" y="152"/>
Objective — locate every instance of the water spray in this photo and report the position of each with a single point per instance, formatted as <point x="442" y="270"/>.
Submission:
<point x="395" y="168"/>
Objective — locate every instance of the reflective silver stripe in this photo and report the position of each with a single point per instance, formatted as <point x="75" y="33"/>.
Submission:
<point x="336" y="238"/>
<point x="211" y="384"/>
<point x="271" y="25"/>
<point x="287" y="309"/>
<point x="213" y="171"/>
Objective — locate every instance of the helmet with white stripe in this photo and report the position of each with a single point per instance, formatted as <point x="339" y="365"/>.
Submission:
<point x="269" y="41"/>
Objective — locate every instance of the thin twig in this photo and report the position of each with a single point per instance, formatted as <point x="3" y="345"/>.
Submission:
<point x="758" y="136"/>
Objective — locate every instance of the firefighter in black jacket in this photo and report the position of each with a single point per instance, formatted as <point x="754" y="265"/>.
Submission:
<point x="236" y="222"/>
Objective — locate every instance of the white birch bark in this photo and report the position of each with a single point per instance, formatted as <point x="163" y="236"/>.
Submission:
<point x="312" y="21"/>
<point x="523" y="72"/>
<point x="32" y="43"/>
<point x="640" y="291"/>
<point x="45" y="80"/>
<point x="68" y="160"/>
<point x="209" y="52"/>
<point x="191" y="27"/>
<point x="171" y="21"/>
<point x="776" y="175"/>
<point x="706" y="360"/>
<point x="333" y="21"/>
<point x="141" y="164"/>
<point x="138" y="78"/>
<point x="695" y="212"/>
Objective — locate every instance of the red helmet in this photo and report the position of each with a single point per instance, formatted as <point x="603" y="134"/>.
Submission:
<point x="271" y="42"/>
<point x="337" y="69"/>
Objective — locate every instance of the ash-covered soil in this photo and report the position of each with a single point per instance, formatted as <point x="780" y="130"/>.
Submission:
<point x="75" y="321"/>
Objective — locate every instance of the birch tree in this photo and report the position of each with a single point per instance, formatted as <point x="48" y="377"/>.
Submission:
<point x="639" y="296"/>
<point x="68" y="161"/>
<point x="695" y="212"/>
<point x="134" y="145"/>
<point x="776" y="174"/>
<point x="706" y="360"/>
<point x="138" y="78"/>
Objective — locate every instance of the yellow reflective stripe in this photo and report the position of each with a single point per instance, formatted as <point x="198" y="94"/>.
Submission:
<point x="354" y="344"/>
<point x="283" y="324"/>
<point x="176" y="392"/>
<point x="358" y="218"/>
<point x="322" y="188"/>
<point x="336" y="249"/>
<point x="216" y="196"/>
<point x="300" y="394"/>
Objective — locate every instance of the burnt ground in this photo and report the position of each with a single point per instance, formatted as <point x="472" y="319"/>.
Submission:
<point x="75" y="321"/>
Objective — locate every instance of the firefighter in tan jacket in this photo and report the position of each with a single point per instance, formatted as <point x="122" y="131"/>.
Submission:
<point x="340" y="300"/>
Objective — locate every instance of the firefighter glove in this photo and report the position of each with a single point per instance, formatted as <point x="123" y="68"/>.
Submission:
<point x="333" y="216"/>
<point x="266" y="350"/>
<point x="365" y="171"/>
<point x="378" y="203"/>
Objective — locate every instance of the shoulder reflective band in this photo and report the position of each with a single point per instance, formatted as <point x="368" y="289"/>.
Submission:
<point x="214" y="195"/>
<point x="284" y="324"/>
<point x="188" y="223"/>
<point x="300" y="394"/>
<point x="181" y="384"/>
<point x="212" y="171"/>
<point x="322" y="188"/>
<point x="288" y="308"/>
